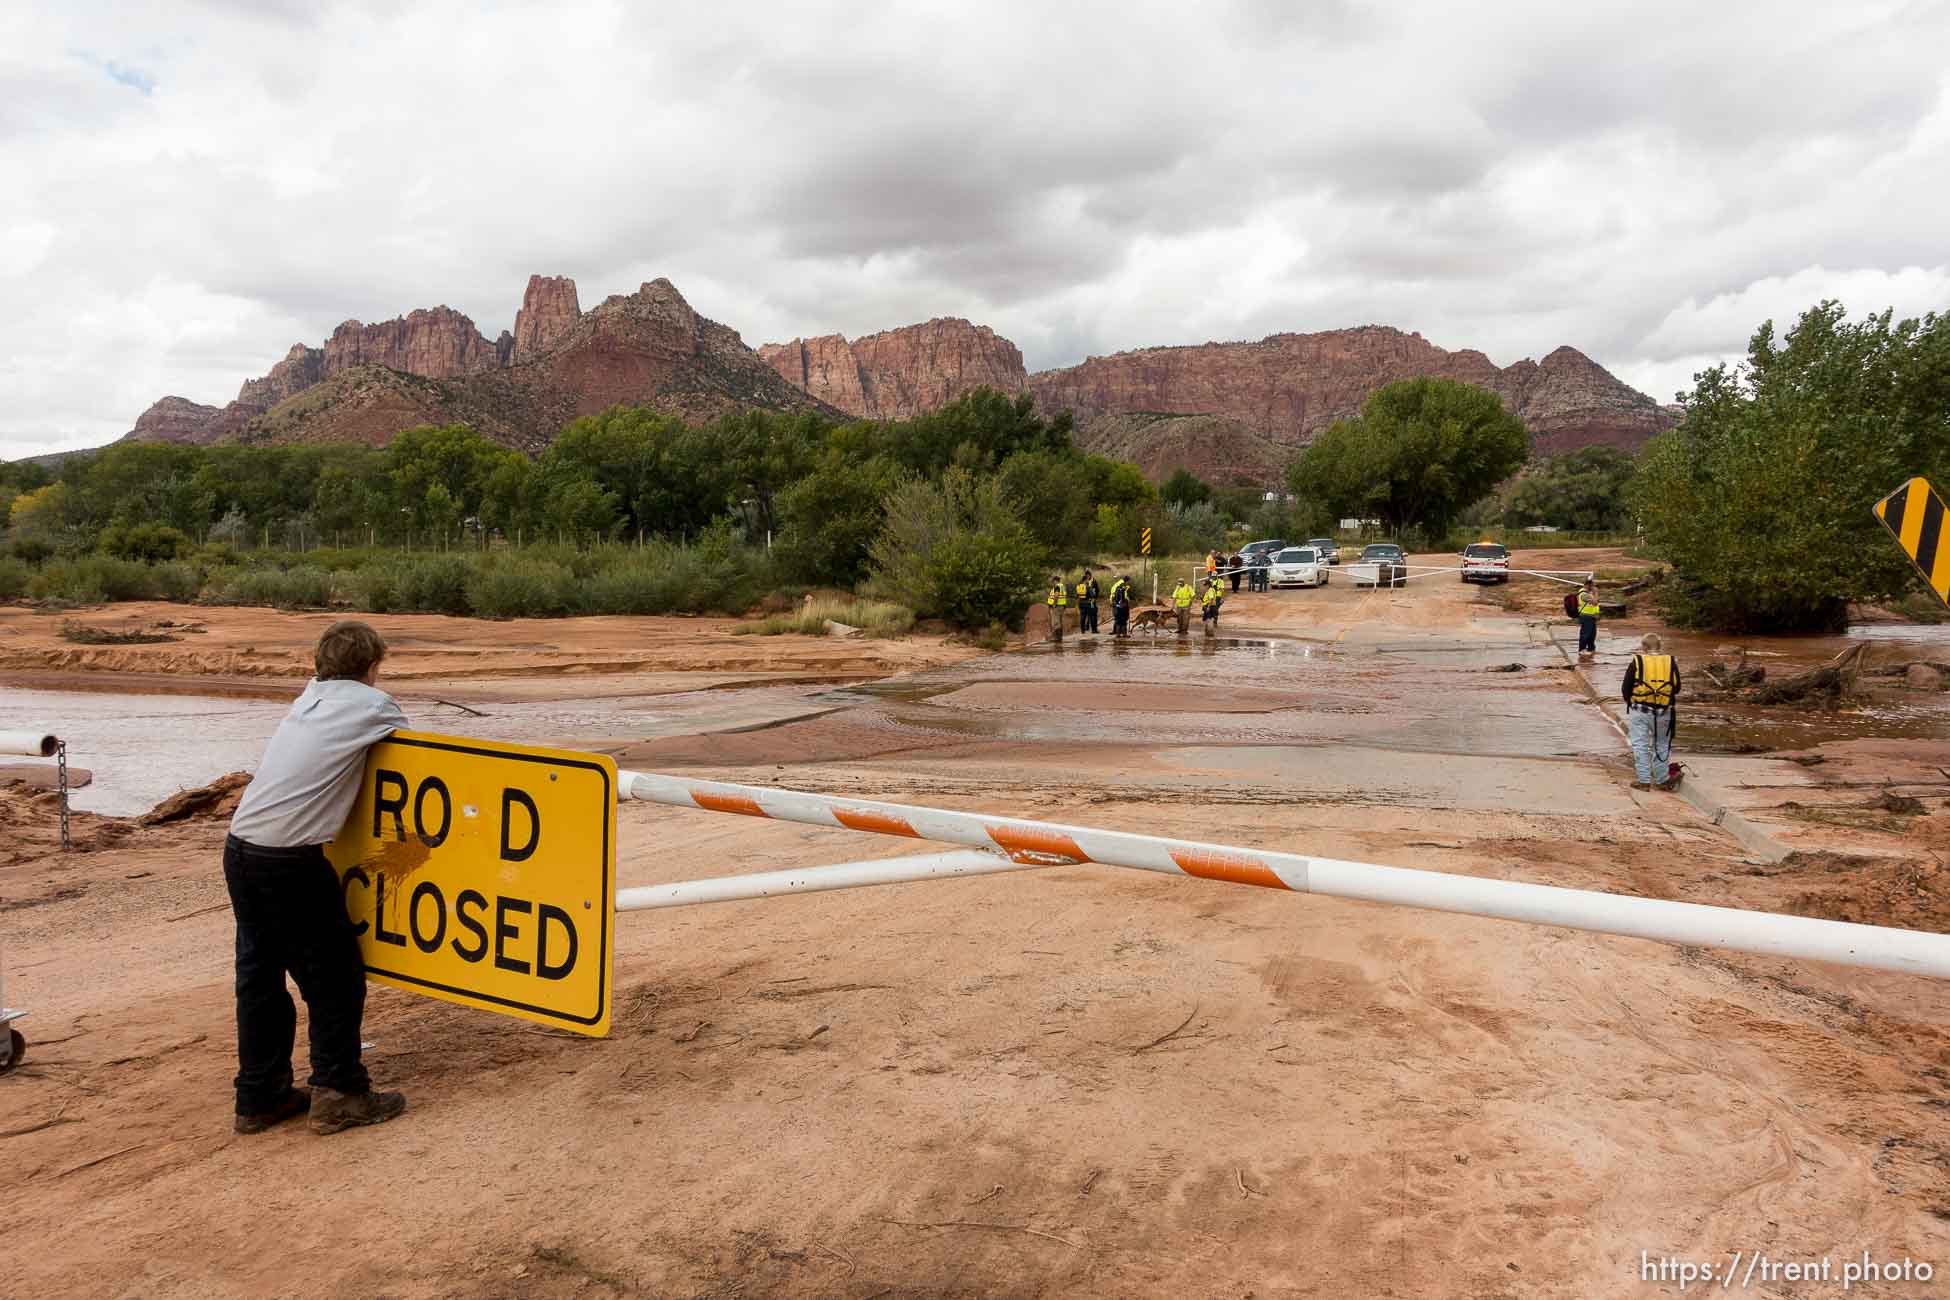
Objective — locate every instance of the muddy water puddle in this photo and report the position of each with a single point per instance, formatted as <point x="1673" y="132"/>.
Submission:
<point x="1729" y="726"/>
<point x="1428" y="694"/>
<point x="143" y="748"/>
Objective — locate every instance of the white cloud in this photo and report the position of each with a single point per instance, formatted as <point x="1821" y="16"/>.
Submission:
<point x="186" y="192"/>
<point x="1708" y="328"/>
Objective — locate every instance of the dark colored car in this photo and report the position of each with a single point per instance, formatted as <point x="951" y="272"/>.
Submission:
<point x="1395" y="572"/>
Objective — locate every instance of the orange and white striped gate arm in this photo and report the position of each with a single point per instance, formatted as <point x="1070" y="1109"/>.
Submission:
<point x="994" y="844"/>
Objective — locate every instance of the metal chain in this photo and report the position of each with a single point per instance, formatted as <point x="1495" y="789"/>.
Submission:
<point x="61" y="761"/>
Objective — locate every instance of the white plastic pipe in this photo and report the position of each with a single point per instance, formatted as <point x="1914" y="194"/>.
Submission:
<point x="1911" y="952"/>
<point x="813" y="880"/>
<point x="35" y="744"/>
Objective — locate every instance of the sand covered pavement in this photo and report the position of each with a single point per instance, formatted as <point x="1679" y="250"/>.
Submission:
<point x="1068" y="1081"/>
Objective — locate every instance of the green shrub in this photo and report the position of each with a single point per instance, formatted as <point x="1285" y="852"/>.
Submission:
<point x="14" y="576"/>
<point x="178" y="581"/>
<point x="376" y="589"/>
<point x="91" y="579"/>
<point x="432" y="584"/>
<point x="301" y="588"/>
<point x="149" y="543"/>
<point x="983" y="578"/>
<point x="518" y="587"/>
<point x="34" y="550"/>
<point x="212" y="555"/>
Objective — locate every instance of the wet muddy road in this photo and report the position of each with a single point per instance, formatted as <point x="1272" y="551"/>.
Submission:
<point x="1070" y="1081"/>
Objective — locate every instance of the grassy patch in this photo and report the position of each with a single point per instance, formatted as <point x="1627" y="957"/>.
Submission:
<point x="877" y="617"/>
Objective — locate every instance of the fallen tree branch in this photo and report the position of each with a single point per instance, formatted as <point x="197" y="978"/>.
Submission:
<point x="1162" y="1039"/>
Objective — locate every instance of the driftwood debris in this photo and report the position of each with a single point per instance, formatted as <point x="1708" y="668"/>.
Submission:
<point x="1735" y="676"/>
<point x="1826" y="684"/>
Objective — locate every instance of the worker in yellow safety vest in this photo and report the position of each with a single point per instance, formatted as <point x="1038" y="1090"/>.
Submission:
<point x="1120" y="606"/>
<point x="1058" y="601"/>
<point x="1181" y="600"/>
<point x="1588" y="612"/>
<point x="1650" y="690"/>
<point x="1213" y="598"/>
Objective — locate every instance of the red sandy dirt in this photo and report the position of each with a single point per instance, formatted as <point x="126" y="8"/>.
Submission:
<point x="1073" y="1081"/>
<point x="232" y="648"/>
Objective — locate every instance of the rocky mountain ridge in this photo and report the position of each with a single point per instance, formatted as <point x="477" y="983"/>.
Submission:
<point x="1253" y="403"/>
<point x="1289" y="387"/>
<point x="1230" y="411"/>
<point x="432" y="365"/>
<point x="902" y="372"/>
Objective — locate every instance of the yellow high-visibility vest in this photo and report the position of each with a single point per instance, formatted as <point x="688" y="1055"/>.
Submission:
<point x="1655" y="686"/>
<point x="1058" y="597"/>
<point x="1211" y="595"/>
<point x="1183" y="596"/>
<point x="1588" y="609"/>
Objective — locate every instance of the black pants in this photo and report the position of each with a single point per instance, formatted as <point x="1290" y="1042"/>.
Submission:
<point x="1235" y="581"/>
<point x="1587" y="633"/>
<point x="291" y="919"/>
<point x="1087" y="616"/>
<point x="1120" y="619"/>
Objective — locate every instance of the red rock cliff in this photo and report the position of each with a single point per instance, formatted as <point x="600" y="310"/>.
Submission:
<point x="436" y="343"/>
<point x="548" y="311"/>
<point x="902" y="372"/>
<point x="174" y="419"/>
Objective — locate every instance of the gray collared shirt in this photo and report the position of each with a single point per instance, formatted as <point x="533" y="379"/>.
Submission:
<point x="309" y="778"/>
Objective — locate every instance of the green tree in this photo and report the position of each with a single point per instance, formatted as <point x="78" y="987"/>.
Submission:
<point x="1421" y="452"/>
<point x="958" y="548"/>
<point x="1584" y="490"/>
<point x="829" y="518"/>
<point x="1761" y="496"/>
<point x="1185" y="488"/>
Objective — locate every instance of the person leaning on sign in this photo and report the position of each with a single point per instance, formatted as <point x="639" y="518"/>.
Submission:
<point x="1588" y="612"/>
<point x="1181" y="600"/>
<point x="1058" y="600"/>
<point x="1120" y="606"/>
<point x="290" y="912"/>
<point x="1650" y="688"/>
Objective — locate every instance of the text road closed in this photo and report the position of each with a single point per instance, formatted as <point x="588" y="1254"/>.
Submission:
<point x="484" y="874"/>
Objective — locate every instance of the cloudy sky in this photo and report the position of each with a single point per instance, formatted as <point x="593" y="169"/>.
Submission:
<point x="187" y="189"/>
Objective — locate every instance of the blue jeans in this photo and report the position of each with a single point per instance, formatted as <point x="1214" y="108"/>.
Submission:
<point x="1651" y="737"/>
<point x="1587" y="633"/>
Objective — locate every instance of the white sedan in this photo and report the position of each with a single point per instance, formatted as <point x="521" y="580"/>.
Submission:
<point x="1297" y="566"/>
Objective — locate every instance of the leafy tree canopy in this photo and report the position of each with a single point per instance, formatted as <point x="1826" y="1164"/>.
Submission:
<point x="1583" y="490"/>
<point x="1420" y="453"/>
<point x="1761" y="498"/>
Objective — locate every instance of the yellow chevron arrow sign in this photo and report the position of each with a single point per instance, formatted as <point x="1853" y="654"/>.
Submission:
<point x="1913" y="514"/>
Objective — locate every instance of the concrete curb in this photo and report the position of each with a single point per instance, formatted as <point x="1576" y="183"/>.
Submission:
<point x="1711" y="803"/>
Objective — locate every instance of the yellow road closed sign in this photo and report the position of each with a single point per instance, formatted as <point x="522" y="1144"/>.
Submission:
<point x="485" y="874"/>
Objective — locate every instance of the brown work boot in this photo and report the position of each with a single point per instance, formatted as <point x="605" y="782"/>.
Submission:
<point x="1641" y="785"/>
<point x="332" y="1110"/>
<point x="295" y="1102"/>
